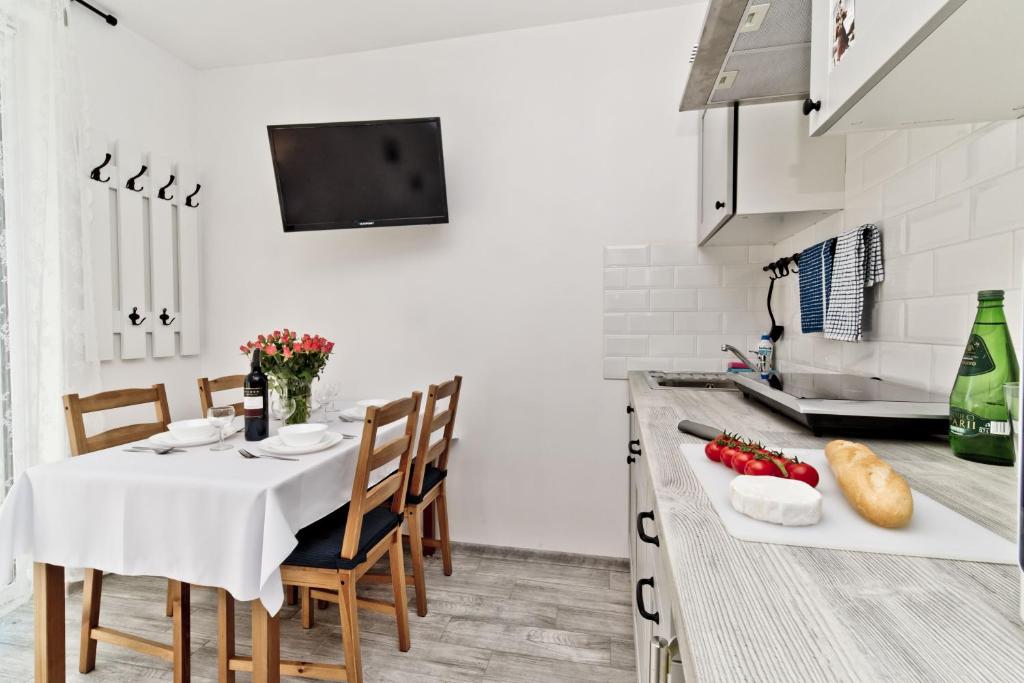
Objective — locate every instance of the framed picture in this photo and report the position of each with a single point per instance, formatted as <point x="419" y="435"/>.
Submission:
<point x="843" y="29"/>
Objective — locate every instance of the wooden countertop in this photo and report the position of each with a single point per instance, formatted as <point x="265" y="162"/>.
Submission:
<point x="761" y="612"/>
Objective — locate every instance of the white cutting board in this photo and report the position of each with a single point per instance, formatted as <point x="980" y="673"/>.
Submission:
<point x="934" y="530"/>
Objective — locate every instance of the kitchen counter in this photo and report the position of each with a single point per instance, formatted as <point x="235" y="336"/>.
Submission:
<point x="761" y="612"/>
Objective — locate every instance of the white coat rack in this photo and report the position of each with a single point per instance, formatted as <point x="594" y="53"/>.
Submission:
<point x="145" y="228"/>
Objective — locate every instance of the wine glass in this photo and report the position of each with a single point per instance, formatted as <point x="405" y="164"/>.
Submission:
<point x="1011" y="393"/>
<point x="281" y="405"/>
<point x="221" y="417"/>
<point x="327" y="394"/>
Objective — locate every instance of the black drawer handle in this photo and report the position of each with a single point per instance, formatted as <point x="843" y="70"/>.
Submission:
<point x="634" y="446"/>
<point x="649" y="616"/>
<point x="811" y="105"/>
<point x="640" y="528"/>
<point x="719" y="205"/>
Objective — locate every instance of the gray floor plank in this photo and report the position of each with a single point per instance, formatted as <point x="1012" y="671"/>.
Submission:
<point x="528" y="640"/>
<point x="617" y="623"/>
<point x="510" y="668"/>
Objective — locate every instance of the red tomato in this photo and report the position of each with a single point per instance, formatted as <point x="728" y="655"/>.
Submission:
<point x="801" y="471"/>
<point x="761" y="468"/>
<point x="728" y="453"/>
<point x="740" y="460"/>
<point x="714" y="451"/>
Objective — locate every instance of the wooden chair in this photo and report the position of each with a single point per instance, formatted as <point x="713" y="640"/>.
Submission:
<point x="75" y="408"/>
<point x="337" y="551"/>
<point x="208" y="386"/>
<point x="427" y="486"/>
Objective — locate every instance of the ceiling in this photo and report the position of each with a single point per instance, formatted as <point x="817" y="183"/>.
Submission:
<point x="214" y="33"/>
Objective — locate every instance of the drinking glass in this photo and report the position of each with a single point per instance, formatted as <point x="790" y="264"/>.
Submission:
<point x="1011" y="393"/>
<point x="281" y="405"/>
<point x="327" y="393"/>
<point x="220" y="417"/>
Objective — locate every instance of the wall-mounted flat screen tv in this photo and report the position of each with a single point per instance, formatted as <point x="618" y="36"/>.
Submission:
<point x="359" y="174"/>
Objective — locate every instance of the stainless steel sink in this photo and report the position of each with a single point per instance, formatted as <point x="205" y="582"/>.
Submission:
<point x="711" y="381"/>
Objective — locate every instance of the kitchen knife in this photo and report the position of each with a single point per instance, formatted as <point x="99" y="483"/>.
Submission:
<point x="699" y="430"/>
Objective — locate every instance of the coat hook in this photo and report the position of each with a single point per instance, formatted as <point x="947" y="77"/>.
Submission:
<point x="134" y="318"/>
<point x="188" y="199"/>
<point x="95" y="174"/>
<point x="165" y="319"/>
<point x="162" y="194"/>
<point x="131" y="181"/>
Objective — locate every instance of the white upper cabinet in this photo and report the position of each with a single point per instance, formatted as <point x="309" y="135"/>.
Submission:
<point x="882" y="64"/>
<point x="761" y="177"/>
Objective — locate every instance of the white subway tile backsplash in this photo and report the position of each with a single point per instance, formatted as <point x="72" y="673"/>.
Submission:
<point x="930" y="139"/>
<point x="894" y="237"/>
<point x="649" y="277"/>
<point x="710" y="345"/>
<point x="745" y="323"/>
<point x="614" y="278"/>
<point x="946" y="221"/>
<point x="885" y="321"/>
<point x="979" y="264"/>
<point x="700" y="364"/>
<point x="676" y="254"/>
<point x="672" y="344"/>
<point x="857" y="144"/>
<point x="757" y="299"/>
<point x="673" y="299"/>
<point x="945" y="365"/>
<point x="662" y="364"/>
<point x="625" y="345"/>
<point x="744" y="276"/>
<point x="626" y="300"/>
<point x="907" y="363"/>
<point x="911" y="188"/>
<point x="885" y="159"/>
<point x="614" y="368"/>
<point x="627" y="255"/>
<point x="827" y="354"/>
<point x="723" y="255"/>
<point x="859" y="359"/>
<point x="940" y="319"/>
<point x="760" y="253"/>
<point x="977" y="158"/>
<point x="999" y="204"/>
<point x="865" y="207"/>
<point x="615" y="323"/>
<point x="698" y="276"/>
<point x="732" y="299"/>
<point x="698" y="323"/>
<point x="907" y="277"/>
<point x="650" y="323"/>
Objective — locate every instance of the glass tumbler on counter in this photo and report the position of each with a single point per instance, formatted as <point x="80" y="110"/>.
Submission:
<point x="1011" y="393"/>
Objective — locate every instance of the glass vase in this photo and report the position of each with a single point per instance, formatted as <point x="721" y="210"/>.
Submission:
<point x="301" y="393"/>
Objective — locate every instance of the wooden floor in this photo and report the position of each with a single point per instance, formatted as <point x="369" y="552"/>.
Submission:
<point x="504" y="615"/>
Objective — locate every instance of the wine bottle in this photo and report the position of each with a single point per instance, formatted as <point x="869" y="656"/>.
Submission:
<point x="257" y="421"/>
<point x="979" y="427"/>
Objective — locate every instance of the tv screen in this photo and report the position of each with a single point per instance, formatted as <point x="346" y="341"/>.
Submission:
<point x="359" y="174"/>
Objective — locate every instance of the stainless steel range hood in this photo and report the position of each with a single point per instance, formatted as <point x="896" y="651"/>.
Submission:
<point x="751" y="51"/>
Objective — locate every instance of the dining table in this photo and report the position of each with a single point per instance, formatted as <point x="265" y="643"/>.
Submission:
<point x="199" y="516"/>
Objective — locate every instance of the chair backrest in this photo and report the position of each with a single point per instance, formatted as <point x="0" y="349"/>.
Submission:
<point x="437" y="452"/>
<point x="75" y="407"/>
<point x="208" y="386"/>
<point x="371" y="456"/>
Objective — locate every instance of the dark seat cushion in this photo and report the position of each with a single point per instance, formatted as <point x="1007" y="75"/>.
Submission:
<point x="320" y="542"/>
<point x="431" y="478"/>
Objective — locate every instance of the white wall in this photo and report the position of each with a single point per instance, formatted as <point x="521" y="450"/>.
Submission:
<point x="558" y="141"/>
<point x="950" y="201"/>
<point x="136" y="91"/>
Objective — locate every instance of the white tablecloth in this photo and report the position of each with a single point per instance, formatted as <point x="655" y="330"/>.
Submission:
<point x="205" y="517"/>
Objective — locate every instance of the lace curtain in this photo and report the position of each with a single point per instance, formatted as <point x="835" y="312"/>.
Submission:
<point x="49" y="326"/>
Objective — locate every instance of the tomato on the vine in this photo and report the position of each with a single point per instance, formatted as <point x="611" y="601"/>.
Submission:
<point x="714" y="450"/>
<point x="740" y="460"/>
<point x="728" y="453"/>
<point x="801" y="471"/>
<point x="761" y="468"/>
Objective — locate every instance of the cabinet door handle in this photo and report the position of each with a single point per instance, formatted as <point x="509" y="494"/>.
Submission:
<point x="811" y="105"/>
<point x="649" y="616"/>
<point x="719" y="205"/>
<point x="630" y="460"/>
<point x="634" y="446"/>
<point x="653" y="540"/>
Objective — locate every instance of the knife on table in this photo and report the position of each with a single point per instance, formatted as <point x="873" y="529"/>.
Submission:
<point x="699" y="430"/>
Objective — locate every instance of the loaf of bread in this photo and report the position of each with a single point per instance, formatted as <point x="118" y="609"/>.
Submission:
<point x="870" y="484"/>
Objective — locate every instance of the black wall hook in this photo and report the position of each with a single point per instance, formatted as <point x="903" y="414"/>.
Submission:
<point x="131" y="181"/>
<point x="162" y="194"/>
<point x="95" y="174"/>
<point x="188" y="199"/>
<point x="134" y="318"/>
<point x="165" y="319"/>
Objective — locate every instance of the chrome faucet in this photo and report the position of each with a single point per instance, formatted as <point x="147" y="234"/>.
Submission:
<point x="739" y="354"/>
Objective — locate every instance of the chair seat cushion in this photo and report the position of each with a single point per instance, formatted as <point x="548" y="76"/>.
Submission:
<point x="431" y="478"/>
<point x="320" y="542"/>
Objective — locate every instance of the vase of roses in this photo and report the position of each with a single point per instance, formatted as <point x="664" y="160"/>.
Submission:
<point x="292" y="363"/>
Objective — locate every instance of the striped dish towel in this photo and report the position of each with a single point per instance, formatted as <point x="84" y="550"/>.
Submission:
<point x="815" y="264"/>
<point x="858" y="264"/>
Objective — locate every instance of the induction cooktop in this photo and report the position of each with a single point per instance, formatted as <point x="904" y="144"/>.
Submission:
<point x="850" y="404"/>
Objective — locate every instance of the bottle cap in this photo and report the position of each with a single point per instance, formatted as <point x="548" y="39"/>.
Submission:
<point x="990" y="295"/>
<point x="765" y="336"/>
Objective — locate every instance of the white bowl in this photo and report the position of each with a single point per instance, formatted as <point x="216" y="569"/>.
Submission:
<point x="191" y="430"/>
<point x="302" y="434"/>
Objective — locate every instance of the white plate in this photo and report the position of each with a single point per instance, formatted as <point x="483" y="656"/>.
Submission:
<point x="168" y="439"/>
<point x="275" y="446"/>
<point x="358" y="411"/>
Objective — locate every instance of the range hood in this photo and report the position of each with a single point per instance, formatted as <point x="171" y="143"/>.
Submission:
<point x="750" y="51"/>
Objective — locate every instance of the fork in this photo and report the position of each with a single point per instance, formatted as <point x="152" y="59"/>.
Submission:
<point x="162" y="450"/>
<point x="252" y="456"/>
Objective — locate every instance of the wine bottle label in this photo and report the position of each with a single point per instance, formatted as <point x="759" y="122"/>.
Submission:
<point x="965" y="423"/>
<point x="977" y="360"/>
<point x="253" y="402"/>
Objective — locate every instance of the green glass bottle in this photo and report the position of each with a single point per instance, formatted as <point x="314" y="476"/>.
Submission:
<point x="979" y="427"/>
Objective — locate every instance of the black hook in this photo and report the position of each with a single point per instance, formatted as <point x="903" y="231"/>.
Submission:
<point x="165" y="319"/>
<point x="134" y="318"/>
<point x="95" y="174"/>
<point x="131" y="181"/>
<point x="162" y="194"/>
<point x="188" y="199"/>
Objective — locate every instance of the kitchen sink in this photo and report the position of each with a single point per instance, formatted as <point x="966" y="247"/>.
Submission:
<point x="712" y="381"/>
